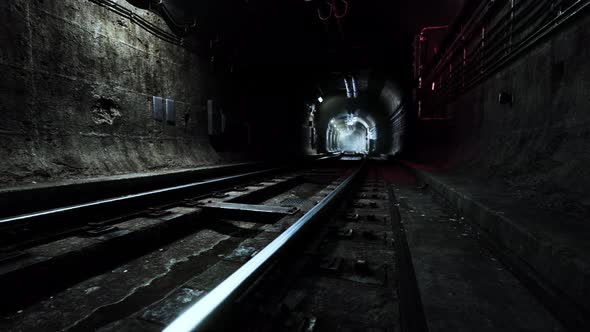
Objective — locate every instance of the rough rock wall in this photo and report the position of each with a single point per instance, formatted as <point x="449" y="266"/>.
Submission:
<point x="75" y="94"/>
<point x="539" y="146"/>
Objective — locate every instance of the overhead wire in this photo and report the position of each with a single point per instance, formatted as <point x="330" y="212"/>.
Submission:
<point x="333" y="11"/>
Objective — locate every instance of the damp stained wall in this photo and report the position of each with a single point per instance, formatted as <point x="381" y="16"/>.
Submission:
<point x="76" y="92"/>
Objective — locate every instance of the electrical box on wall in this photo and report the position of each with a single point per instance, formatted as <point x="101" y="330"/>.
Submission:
<point x="170" y="112"/>
<point x="215" y="119"/>
<point x="163" y="109"/>
<point x="157" y="108"/>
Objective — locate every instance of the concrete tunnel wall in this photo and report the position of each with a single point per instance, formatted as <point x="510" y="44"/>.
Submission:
<point x="539" y="146"/>
<point x="395" y="131"/>
<point x="76" y="94"/>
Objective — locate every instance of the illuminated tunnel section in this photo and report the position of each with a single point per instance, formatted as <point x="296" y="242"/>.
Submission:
<point x="350" y="133"/>
<point x="372" y="121"/>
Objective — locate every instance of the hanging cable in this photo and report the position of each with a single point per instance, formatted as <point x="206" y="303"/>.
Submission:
<point x="333" y="11"/>
<point x="344" y="13"/>
<point x="325" y="18"/>
<point x="141" y="22"/>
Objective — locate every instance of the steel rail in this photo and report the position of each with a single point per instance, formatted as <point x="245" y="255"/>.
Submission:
<point x="193" y="185"/>
<point x="198" y="313"/>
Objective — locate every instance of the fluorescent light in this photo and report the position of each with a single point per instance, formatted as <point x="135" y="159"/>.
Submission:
<point x="351" y="119"/>
<point x="347" y="88"/>
<point x="354" y="92"/>
<point x="320" y="99"/>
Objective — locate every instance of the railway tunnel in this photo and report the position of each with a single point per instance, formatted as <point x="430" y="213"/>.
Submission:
<point x="301" y="165"/>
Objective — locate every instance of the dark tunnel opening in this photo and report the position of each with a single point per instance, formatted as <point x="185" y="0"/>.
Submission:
<point x="444" y="143"/>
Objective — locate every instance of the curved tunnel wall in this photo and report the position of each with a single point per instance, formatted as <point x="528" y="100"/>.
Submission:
<point x="384" y="110"/>
<point x="77" y="91"/>
<point x="355" y="137"/>
<point x="396" y="110"/>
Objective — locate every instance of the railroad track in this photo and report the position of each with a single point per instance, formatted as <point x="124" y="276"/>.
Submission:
<point x="45" y="252"/>
<point x="339" y="275"/>
<point x="321" y="248"/>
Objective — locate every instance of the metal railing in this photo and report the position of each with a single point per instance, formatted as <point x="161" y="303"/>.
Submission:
<point x="495" y="34"/>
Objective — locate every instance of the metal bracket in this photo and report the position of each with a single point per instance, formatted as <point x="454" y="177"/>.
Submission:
<point x="156" y="213"/>
<point x="239" y="207"/>
<point x="100" y="230"/>
<point x="191" y="203"/>
<point x="240" y="188"/>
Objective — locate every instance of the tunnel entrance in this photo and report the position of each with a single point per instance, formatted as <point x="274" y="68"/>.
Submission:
<point x="349" y="133"/>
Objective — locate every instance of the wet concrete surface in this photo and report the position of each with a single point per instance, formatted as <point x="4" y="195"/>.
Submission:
<point x="548" y="249"/>
<point x="463" y="286"/>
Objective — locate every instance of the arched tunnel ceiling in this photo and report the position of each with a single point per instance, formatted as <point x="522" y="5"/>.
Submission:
<point x="287" y="43"/>
<point x="337" y="107"/>
<point x="275" y="55"/>
<point x="361" y="119"/>
<point x="370" y="31"/>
